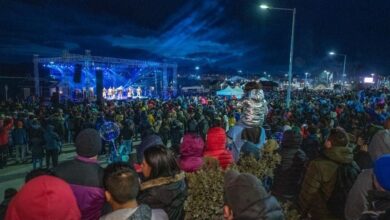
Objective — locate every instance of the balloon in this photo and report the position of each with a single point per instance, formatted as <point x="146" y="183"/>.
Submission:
<point x="109" y="131"/>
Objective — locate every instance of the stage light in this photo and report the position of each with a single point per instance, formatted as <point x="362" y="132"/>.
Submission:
<point x="51" y="62"/>
<point x="264" y="6"/>
<point x="197" y="68"/>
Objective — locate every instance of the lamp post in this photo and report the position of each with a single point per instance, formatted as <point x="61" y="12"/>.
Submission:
<point x="293" y="10"/>
<point x="306" y="78"/>
<point x="332" y="53"/>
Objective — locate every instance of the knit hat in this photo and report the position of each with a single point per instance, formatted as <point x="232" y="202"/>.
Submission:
<point x="88" y="143"/>
<point x="44" y="198"/>
<point x="382" y="171"/>
<point x="242" y="191"/>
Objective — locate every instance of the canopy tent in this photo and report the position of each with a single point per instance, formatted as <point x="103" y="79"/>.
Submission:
<point x="229" y="91"/>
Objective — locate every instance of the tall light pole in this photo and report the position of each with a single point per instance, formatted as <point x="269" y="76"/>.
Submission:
<point x="293" y="10"/>
<point x="332" y="53"/>
<point x="306" y="78"/>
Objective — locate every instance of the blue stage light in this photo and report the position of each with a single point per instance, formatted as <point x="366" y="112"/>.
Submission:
<point x="51" y="62"/>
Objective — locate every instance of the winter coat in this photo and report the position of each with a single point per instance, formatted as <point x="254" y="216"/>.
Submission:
<point x="238" y="145"/>
<point x="379" y="206"/>
<point x="320" y="179"/>
<point x="380" y="144"/>
<point x="266" y="208"/>
<point x="357" y="202"/>
<point x="36" y="141"/>
<point x="363" y="160"/>
<point x="311" y="146"/>
<point x="86" y="183"/>
<point x="52" y="139"/>
<point x="167" y="193"/>
<point x="191" y="151"/>
<point x="216" y="147"/>
<point x="4" y="132"/>
<point x="44" y="198"/>
<point x="19" y="136"/>
<point x="289" y="174"/>
<point x="177" y="132"/>
<point x="147" y="142"/>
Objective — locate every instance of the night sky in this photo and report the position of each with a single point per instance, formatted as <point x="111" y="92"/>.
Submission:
<point x="232" y="34"/>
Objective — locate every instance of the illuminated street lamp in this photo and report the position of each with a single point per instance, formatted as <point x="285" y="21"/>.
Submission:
<point x="306" y="77"/>
<point x="332" y="53"/>
<point x="293" y="10"/>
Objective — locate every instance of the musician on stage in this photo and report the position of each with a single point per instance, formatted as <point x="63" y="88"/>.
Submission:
<point x="104" y="93"/>
<point x="139" y="91"/>
<point x="129" y="92"/>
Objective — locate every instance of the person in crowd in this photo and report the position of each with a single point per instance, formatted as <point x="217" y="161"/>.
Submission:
<point x="379" y="197"/>
<point x="9" y="193"/>
<point x="52" y="146"/>
<point x="36" y="142"/>
<point x="215" y="146"/>
<point x="245" y="199"/>
<point x="191" y="149"/>
<point x="36" y="173"/>
<point x="6" y="125"/>
<point x="311" y="144"/>
<point x="122" y="186"/>
<point x="357" y="201"/>
<point x="177" y="133"/>
<point x="164" y="186"/>
<point x="380" y="142"/>
<point x="44" y="198"/>
<point x="321" y="175"/>
<point x="248" y="135"/>
<point x="362" y="157"/>
<point x="148" y="139"/>
<point x="20" y="141"/>
<point x="289" y="174"/>
<point x="85" y="175"/>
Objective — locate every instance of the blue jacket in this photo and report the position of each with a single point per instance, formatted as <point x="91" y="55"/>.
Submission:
<point x="19" y="136"/>
<point x="52" y="139"/>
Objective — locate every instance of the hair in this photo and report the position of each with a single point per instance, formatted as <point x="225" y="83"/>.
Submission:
<point x="121" y="181"/>
<point x="38" y="172"/>
<point x="162" y="162"/>
<point x="9" y="193"/>
<point x="338" y="137"/>
<point x="252" y="85"/>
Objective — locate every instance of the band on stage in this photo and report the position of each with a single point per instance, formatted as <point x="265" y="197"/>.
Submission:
<point x="121" y="93"/>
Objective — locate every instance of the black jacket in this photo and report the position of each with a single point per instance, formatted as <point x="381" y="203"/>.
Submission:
<point x="167" y="193"/>
<point x="379" y="206"/>
<point x="266" y="208"/>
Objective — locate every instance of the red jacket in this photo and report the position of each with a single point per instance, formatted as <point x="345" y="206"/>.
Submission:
<point x="216" y="147"/>
<point x="4" y="132"/>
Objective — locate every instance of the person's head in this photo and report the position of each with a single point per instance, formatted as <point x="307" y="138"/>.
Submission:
<point x="337" y="137"/>
<point x="242" y="195"/>
<point x="159" y="162"/>
<point x="36" y="173"/>
<point x="251" y="86"/>
<point x="19" y="124"/>
<point x="88" y="143"/>
<point x="382" y="172"/>
<point x="387" y="123"/>
<point x="121" y="183"/>
<point x="44" y="197"/>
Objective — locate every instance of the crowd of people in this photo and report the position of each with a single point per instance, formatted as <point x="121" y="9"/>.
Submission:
<point x="334" y="148"/>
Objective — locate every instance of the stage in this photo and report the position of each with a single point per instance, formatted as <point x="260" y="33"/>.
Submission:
<point x="85" y="77"/>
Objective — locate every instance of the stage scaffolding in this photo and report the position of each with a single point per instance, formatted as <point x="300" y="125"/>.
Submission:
<point x="88" y="61"/>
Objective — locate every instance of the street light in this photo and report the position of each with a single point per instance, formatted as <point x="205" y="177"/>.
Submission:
<point x="293" y="10"/>
<point x="332" y="53"/>
<point x="306" y="78"/>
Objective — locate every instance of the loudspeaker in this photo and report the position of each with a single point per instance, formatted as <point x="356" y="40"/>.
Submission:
<point x="77" y="73"/>
<point x="99" y="85"/>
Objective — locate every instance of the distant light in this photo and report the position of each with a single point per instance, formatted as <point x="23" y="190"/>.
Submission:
<point x="332" y="53"/>
<point x="263" y="6"/>
<point x="306" y="73"/>
<point x="240" y="71"/>
<point x="51" y="62"/>
<point x="197" y="68"/>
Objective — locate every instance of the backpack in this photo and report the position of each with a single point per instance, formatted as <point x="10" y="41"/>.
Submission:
<point x="345" y="178"/>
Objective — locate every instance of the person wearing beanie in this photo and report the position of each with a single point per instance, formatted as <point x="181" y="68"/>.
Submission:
<point x="248" y="135"/>
<point x="379" y="197"/>
<point x="85" y="175"/>
<point x="245" y="198"/>
<point x="289" y="173"/>
<point x="191" y="149"/>
<point x="148" y="139"/>
<point x="357" y="201"/>
<point x="44" y="198"/>
<point x="321" y="175"/>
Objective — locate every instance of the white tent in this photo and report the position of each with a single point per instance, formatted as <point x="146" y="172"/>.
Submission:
<point x="229" y="91"/>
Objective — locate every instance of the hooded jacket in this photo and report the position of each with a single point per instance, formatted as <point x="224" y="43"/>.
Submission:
<point x="167" y="193"/>
<point x="85" y="177"/>
<point x="44" y="198"/>
<point x="216" y="147"/>
<point x="191" y="151"/>
<point x="320" y="179"/>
